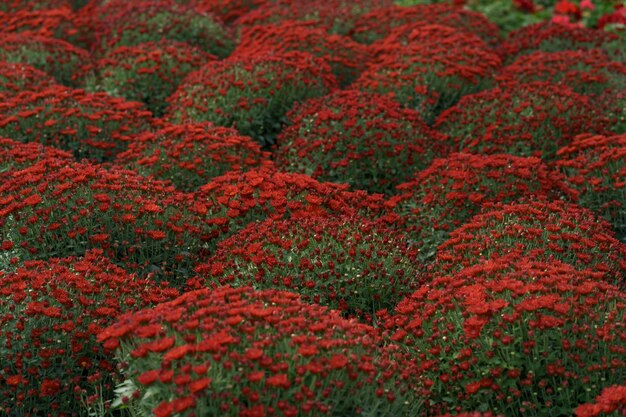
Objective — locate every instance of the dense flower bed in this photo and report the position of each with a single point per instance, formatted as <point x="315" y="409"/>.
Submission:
<point x="290" y="208"/>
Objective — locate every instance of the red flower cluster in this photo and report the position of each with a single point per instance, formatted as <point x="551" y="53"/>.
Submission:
<point x="227" y="10"/>
<point x="347" y="263"/>
<point x="53" y="208"/>
<point x="94" y="126"/>
<point x="231" y="202"/>
<point x="246" y="353"/>
<point x="433" y="74"/>
<point x="514" y="336"/>
<point x="56" y="57"/>
<point x="553" y="37"/>
<point x="380" y="23"/>
<point x="588" y="72"/>
<point x="539" y="230"/>
<point x="452" y="190"/>
<point x="127" y="23"/>
<point x="191" y="155"/>
<point x="596" y="167"/>
<point x="252" y="94"/>
<point x="517" y="120"/>
<point x="16" y="77"/>
<point x="50" y="313"/>
<point x="335" y="16"/>
<point x="611" y="399"/>
<point x="54" y="23"/>
<point x="148" y="72"/>
<point x="15" y="156"/>
<point x="11" y="6"/>
<point x="362" y="139"/>
<point x="347" y="59"/>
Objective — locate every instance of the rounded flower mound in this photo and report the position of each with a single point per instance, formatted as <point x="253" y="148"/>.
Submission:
<point x="227" y="10"/>
<point x="55" y="209"/>
<point x="94" y="126"/>
<point x="347" y="59"/>
<point x="148" y="72"/>
<point x="380" y="23"/>
<point x="596" y="167"/>
<point x="10" y="6"/>
<point x="587" y="72"/>
<point x="452" y="190"/>
<point x="55" y="23"/>
<point x="539" y="230"/>
<point x="191" y="155"/>
<point x="365" y="140"/>
<point x="347" y="263"/>
<point x="125" y="23"/>
<point x="252" y="94"/>
<point x="611" y="399"/>
<point x="15" y="78"/>
<point x="515" y="337"/>
<point x="58" y="58"/>
<point x="518" y="119"/>
<point x="231" y="202"/>
<point x="51" y="312"/>
<point x="246" y="353"/>
<point x="433" y="74"/>
<point x="553" y="37"/>
<point x="334" y="16"/>
<point x="16" y="155"/>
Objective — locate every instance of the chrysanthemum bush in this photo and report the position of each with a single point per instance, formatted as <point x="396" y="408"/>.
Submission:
<point x="191" y="155"/>
<point x="553" y="37"/>
<point x="347" y="59"/>
<point x="515" y="337"/>
<point x="55" y="23"/>
<point x="433" y="74"/>
<point x="56" y="209"/>
<point x="612" y="400"/>
<point x="56" y="57"/>
<point x="596" y="167"/>
<point x="451" y="190"/>
<point x="124" y="23"/>
<point x="232" y="201"/>
<point x="533" y="119"/>
<point x="16" y="77"/>
<point x="17" y="155"/>
<point x="94" y="126"/>
<point x="541" y="230"/>
<point x="348" y="263"/>
<point x="227" y="10"/>
<point x="252" y="94"/>
<point x="51" y="312"/>
<point x="240" y="352"/>
<point x="589" y="72"/>
<point x="335" y="16"/>
<point x="366" y="140"/>
<point x="148" y="72"/>
<point x="10" y="6"/>
<point x="382" y="22"/>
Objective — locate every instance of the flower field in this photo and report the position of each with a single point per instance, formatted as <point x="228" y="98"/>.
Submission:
<point x="292" y="208"/>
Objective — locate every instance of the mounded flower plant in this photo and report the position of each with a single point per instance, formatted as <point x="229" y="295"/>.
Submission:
<point x="451" y="190"/>
<point x="433" y="74"/>
<point x="518" y="119"/>
<point x="16" y="77"/>
<point x="251" y="94"/>
<point x="540" y="230"/>
<point x="596" y="167"/>
<point x="351" y="264"/>
<point x="514" y="336"/>
<point x="51" y="312"/>
<point x="191" y="155"/>
<point x="56" y="209"/>
<point x="93" y="126"/>
<point x="147" y="72"/>
<point x="236" y="351"/>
